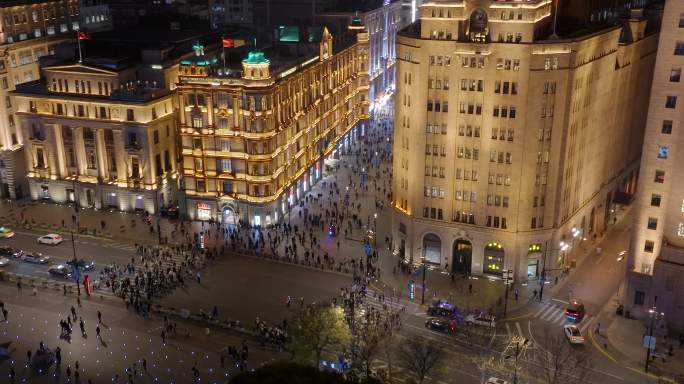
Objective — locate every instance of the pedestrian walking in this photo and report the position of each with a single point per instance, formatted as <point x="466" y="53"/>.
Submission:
<point x="19" y="286"/>
<point x="198" y="278"/>
<point x="598" y="328"/>
<point x="516" y="294"/>
<point x="144" y="364"/>
<point x="28" y="356"/>
<point x="97" y="331"/>
<point x="4" y="314"/>
<point x="470" y="289"/>
<point x="163" y="337"/>
<point x="99" y="317"/>
<point x="58" y="355"/>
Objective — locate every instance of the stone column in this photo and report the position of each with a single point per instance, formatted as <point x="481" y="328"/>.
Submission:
<point x="210" y="111"/>
<point x="61" y="155"/>
<point x="102" y="169"/>
<point x="120" y="154"/>
<point x="79" y="150"/>
<point x="236" y="112"/>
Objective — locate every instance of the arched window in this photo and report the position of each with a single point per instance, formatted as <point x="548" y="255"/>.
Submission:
<point x="478" y="26"/>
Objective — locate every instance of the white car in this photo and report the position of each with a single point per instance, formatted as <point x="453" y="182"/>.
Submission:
<point x="496" y="380"/>
<point x="573" y="334"/>
<point x="481" y="320"/>
<point x="36" y="258"/>
<point x="51" y="238"/>
<point x="4" y="261"/>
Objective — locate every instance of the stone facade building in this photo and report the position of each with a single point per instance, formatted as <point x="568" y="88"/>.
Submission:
<point x="256" y="130"/>
<point x="29" y="29"/>
<point x="656" y="256"/>
<point x="97" y="133"/>
<point x="512" y="144"/>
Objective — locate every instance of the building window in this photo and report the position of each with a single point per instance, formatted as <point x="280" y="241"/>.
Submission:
<point x="652" y="223"/>
<point x="667" y="127"/>
<point x="671" y="102"/>
<point x="648" y="246"/>
<point x="681" y="20"/>
<point x="655" y="200"/>
<point x="680" y="229"/>
<point x="663" y="151"/>
<point x="639" y="297"/>
<point x="675" y="74"/>
<point x="130" y="115"/>
<point x="659" y="177"/>
<point x="679" y="48"/>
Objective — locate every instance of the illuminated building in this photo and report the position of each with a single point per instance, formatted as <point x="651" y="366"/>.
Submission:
<point x="655" y="261"/>
<point x="383" y="19"/>
<point x="256" y="132"/>
<point x="28" y="30"/>
<point x="97" y="132"/>
<point x="512" y="145"/>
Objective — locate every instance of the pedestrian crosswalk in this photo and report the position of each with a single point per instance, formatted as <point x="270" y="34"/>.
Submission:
<point x="122" y="246"/>
<point x="555" y="314"/>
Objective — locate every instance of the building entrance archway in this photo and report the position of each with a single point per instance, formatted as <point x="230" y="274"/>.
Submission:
<point x="432" y="249"/>
<point x="228" y="217"/>
<point x="462" y="256"/>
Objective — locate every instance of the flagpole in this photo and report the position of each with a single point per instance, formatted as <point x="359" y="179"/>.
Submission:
<point x="223" y="45"/>
<point x="80" y="54"/>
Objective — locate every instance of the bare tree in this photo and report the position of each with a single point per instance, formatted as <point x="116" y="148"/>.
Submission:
<point x="560" y="362"/>
<point x="420" y="357"/>
<point x="319" y="327"/>
<point x="485" y="350"/>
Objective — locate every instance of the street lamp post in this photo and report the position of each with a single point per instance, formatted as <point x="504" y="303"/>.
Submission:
<point x="653" y="314"/>
<point x="507" y="279"/>
<point x="76" y="222"/>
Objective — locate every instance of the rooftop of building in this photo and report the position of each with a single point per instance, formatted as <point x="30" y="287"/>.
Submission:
<point x="15" y="3"/>
<point x="293" y="46"/>
<point x="361" y="6"/>
<point x="569" y="27"/>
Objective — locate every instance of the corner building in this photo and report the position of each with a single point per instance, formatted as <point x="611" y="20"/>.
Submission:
<point x="656" y="257"/>
<point x="513" y="145"/>
<point x="256" y="132"/>
<point x="98" y="134"/>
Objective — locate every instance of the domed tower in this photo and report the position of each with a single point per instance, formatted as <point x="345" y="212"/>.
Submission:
<point x="255" y="66"/>
<point x="357" y="26"/>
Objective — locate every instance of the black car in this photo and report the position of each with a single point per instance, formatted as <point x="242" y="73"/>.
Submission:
<point x="441" y="308"/>
<point x="10" y="252"/>
<point x="83" y="265"/>
<point x="60" y="270"/>
<point x="170" y="212"/>
<point x="440" y="325"/>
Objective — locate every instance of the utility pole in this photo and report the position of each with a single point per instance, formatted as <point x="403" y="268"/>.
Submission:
<point x="543" y="274"/>
<point x="507" y="278"/>
<point x="653" y="313"/>
<point x="422" y="298"/>
<point x="158" y="214"/>
<point x="76" y="222"/>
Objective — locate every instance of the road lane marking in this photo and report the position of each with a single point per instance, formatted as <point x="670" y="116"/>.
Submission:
<point x="560" y="301"/>
<point x="548" y="312"/>
<point x="508" y="329"/>
<point x="586" y="322"/>
<point x="520" y="332"/>
<point x="542" y="309"/>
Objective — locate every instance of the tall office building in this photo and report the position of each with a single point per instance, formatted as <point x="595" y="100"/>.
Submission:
<point x="383" y="19"/>
<point x="656" y="256"/>
<point x="512" y="144"/>
<point x="28" y="30"/>
<point x="258" y="129"/>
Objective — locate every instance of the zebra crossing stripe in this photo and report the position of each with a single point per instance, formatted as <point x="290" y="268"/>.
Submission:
<point x="551" y="313"/>
<point x="508" y="329"/>
<point x="559" y="318"/>
<point x="542" y="309"/>
<point x="520" y="332"/>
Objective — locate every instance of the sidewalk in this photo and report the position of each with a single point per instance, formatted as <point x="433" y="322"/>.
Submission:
<point x="621" y="341"/>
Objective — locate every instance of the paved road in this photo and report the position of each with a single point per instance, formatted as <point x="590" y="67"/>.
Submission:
<point x="126" y="339"/>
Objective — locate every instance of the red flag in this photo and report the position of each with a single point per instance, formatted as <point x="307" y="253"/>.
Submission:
<point x="84" y="36"/>
<point x="228" y="43"/>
